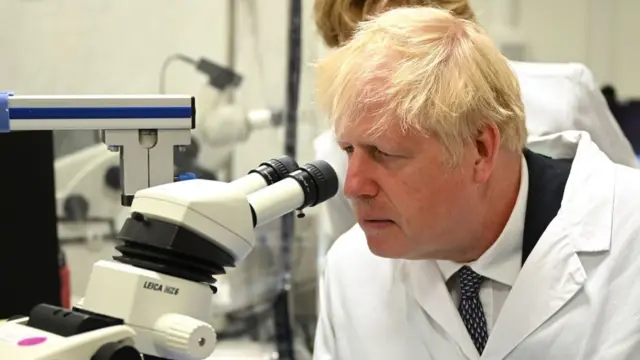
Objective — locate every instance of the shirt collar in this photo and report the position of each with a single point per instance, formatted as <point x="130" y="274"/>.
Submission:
<point x="503" y="260"/>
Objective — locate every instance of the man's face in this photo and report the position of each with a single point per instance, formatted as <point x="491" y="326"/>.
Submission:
<point x="407" y="201"/>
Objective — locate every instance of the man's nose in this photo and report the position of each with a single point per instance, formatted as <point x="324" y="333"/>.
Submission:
<point x="359" y="181"/>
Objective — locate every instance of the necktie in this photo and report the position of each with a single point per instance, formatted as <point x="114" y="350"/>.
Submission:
<point x="470" y="307"/>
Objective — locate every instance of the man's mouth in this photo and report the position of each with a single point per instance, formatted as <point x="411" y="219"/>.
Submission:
<point x="377" y="223"/>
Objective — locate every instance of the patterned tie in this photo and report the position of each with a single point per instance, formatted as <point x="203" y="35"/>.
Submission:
<point x="470" y="307"/>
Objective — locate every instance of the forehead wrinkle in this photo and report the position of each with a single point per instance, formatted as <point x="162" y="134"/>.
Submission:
<point x="366" y="119"/>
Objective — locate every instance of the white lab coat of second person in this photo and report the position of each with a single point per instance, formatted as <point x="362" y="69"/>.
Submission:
<point x="576" y="297"/>
<point x="557" y="97"/>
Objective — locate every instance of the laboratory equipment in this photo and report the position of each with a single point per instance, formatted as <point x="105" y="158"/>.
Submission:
<point x="154" y="298"/>
<point x="142" y="129"/>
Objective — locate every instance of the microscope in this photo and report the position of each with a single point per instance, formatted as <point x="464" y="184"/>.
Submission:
<point x="153" y="300"/>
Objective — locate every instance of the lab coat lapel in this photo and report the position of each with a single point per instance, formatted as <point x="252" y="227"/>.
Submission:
<point x="551" y="276"/>
<point x="426" y="284"/>
<point x="553" y="272"/>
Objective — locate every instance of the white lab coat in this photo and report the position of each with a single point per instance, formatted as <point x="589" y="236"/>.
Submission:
<point x="576" y="297"/>
<point x="557" y="97"/>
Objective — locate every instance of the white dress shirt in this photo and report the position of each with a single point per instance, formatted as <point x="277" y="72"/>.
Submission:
<point x="500" y="264"/>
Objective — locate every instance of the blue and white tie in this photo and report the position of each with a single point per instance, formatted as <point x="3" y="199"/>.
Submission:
<point x="470" y="307"/>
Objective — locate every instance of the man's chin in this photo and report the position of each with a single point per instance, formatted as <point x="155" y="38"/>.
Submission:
<point x="386" y="246"/>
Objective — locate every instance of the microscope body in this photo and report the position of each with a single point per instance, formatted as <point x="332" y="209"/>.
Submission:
<point x="163" y="284"/>
<point x="209" y="209"/>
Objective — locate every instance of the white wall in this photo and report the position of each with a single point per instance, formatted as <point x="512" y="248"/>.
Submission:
<point x="601" y="34"/>
<point x="104" y="46"/>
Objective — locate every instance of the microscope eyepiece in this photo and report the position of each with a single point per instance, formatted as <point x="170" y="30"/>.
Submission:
<point x="265" y="174"/>
<point x="318" y="181"/>
<point x="309" y="185"/>
<point x="275" y="169"/>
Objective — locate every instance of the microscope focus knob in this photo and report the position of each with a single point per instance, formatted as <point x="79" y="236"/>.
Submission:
<point x="185" y="337"/>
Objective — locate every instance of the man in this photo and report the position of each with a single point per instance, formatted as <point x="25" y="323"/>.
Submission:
<point x="469" y="245"/>
<point x="557" y="97"/>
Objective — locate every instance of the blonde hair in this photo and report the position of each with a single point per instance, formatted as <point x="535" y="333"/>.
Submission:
<point x="337" y="20"/>
<point x="429" y="71"/>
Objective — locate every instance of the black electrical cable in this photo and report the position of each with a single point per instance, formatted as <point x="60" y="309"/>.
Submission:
<point x="165" y="65"/>
<point x="282" y="307"/>
<point x="220" y="77"/>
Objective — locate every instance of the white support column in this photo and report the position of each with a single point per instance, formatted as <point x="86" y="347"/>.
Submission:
<point x="505" y="13"/>
<point x="601" y="32"/>
<point x="506" y="29"/>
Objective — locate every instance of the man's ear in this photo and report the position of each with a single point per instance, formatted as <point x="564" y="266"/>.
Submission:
<point x="487" y="145"/>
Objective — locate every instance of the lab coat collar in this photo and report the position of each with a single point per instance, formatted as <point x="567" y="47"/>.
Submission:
<point x="587" y="205"/>
<point x="553" y="272"/>
<point x="502" y="261"/>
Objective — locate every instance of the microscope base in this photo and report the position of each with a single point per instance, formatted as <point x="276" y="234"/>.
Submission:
<point x="20" y="341"/>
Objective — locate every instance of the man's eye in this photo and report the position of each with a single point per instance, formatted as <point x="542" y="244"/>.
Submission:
<point x="347" y="149"/>
<point x="380" y="153"/>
